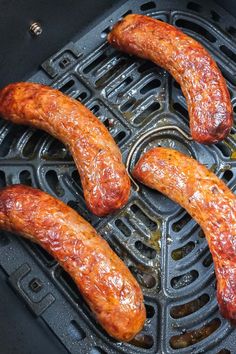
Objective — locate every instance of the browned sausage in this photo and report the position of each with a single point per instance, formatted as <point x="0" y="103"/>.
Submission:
<point x="105" y="282"/>
<point x="202" y="83"/>
<point x="105" y="182"/>
<point x="209" y="201"/>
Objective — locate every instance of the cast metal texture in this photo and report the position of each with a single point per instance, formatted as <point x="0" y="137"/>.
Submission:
<point x="160" y="243"/>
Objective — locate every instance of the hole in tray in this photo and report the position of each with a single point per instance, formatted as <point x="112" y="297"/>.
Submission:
<point x="105" y="32"/>
<point x="75" y="331"/>
<point x="44" y="255"/>
<point x="127" y="13"/>
<point x="2" y="179"/>
<point x="122" y="227"/>
<point x="176" y="85"/>
<point x="25" y="178"/>
<point x="80" y="208"/>
<point x="76" y="177"/>
<point x="67" y="282"/>
<point x="120" y="136"/>
<point x="183" y="251"/>
<point x="227" y="176"/>
<point x="153" y="107"/>
<point x="224" y="351"/>
<point x="106" y="123"/>
<point x="123" y="84"/>
<point x="9" y="140"/>
<point x="4" y="240"/>
<point x="95" y="63"/>
<point x="190" y="25"/>
<point x="109" y="123"/>
<point x="148" y="6"/>
<point x="150" y="311"/>
<point x="151" y="85"/>
<point x="201" y="234"/>
<point x="190" y="307"/>
<point x="233" y="131"/>
<point x="231" y="55"/>
<point x="54" y="184"/>
<point x="224" y="149"/>
<point x="2" y="123"/>
<point x="142" y="341"/>
<point x="180" y="109"/>
<point x="194" y="6"/>
<point x="215" y="16"/>
<point x="115" y="69"/>
<point x="146" y="280"/>
<point x="32" y="143"/>
<point x="207" y="260"/>
<point x="145" y="250"/>
<point x="67" y="86"/>
<point x="231" y="93"/>
<point x="183" y="280"/>
<point x="179" y="225"/>
<point x="36" y="285"/>
<point x="97" y="350"/>
<point x="128" y="104"/>
<point x="82" y="96"/>
<point x="193" y="337"/>
<point x="56" y="151"/>
<point x="95" y="109"/>
<point x="231" y="30"/>
<point x="64" y="62"/>
<point x="146" y="66"/>
<point x="151" y="225"/>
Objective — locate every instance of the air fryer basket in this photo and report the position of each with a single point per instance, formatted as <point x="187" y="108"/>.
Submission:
<point x="159" y="242"/>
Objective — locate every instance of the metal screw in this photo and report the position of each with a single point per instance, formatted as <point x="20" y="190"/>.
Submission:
<point x="35" y="29"/>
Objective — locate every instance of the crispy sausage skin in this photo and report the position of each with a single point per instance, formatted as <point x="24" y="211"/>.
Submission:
<point x="202" y="83"/>
<point x="105" y="182"/>
<point x="107" y="285"/>
<point x="208" y="200"/>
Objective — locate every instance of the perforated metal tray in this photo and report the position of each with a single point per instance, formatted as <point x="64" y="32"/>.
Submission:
<point x="164" y="248"/>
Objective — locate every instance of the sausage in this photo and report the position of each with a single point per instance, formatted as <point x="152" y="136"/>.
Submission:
<point x="209" y="201"/>
<point x="105" y="182"/>
<point x="105" y="282"/>
<point x="201" y="81"/>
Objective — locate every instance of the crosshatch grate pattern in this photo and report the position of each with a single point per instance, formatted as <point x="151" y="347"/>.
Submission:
<point x="160" y="243"/>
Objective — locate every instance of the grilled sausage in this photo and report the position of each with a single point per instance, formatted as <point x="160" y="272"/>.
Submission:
<point x="202" y="83"/>
<point x="208" y="200"/>
<point x="105" y="282"/>
<point x="105" y="182"/>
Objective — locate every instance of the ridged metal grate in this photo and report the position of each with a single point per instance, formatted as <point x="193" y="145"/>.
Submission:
<point x="160" y="243"/>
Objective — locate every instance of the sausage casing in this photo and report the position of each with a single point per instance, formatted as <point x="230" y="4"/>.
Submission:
<point x="201" y="81"/>
<point x="105" y="182"/>
<point x="105" y="282"/>
<point x="209" y="201"/>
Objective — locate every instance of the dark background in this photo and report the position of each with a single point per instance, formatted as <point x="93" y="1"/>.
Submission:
<point x="61" y="20"/>
<point x="20" y="56"/>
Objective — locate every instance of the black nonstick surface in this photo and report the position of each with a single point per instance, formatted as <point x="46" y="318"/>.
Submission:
<point x="160" y="243"/>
